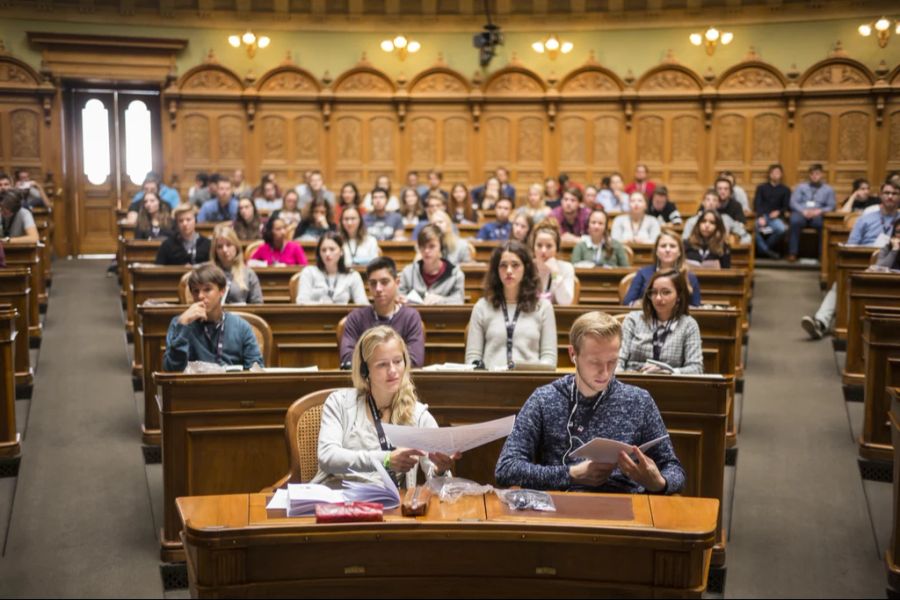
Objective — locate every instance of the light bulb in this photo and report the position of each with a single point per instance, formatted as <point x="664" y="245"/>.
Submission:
<point x="712" y="34"/>
<point x="263" y="41"/>
<point x="538" y="47"/>
<point x="566" y="47"/>
<point x="249" y="38"/>
<point x="414" y="46"/>
<point x="387" y="45"/>
<point x="727" y="37"/>
<point x="882" y="24"/>
<point x="865" y="30"/>
<point x="696" y="39"/>
<point x="897" y="30"/>
<point x="234" y="40"/>
<point x="400" y="41"/>
<point x="552" y="43"/>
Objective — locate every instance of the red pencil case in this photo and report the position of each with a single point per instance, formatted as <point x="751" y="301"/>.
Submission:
<point x="349" y="512"/>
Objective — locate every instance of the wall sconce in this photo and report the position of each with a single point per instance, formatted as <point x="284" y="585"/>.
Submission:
<point x="711" y="38"/>
<point x="552" y="47"/>
<point x="401" y="45"/>
<point x="249" y="40"/>
<point x="882" y="29"/>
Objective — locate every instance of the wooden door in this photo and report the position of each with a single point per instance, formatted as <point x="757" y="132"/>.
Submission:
<point x="115" y="143"/>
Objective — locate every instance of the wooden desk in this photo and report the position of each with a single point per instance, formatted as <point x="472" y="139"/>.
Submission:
<point x="15" y="290"/>
<point x="881" y="338"/>
<point x="892" y="554"/>
<point x="9" y="438"/>
<point x="594" y="545"/>
<point x="224" y="434"/>
<point x="865" y="289"/>
<point x="27" y="256"/>
<point x="833" y="231"/>
<point x="850" y="259"/>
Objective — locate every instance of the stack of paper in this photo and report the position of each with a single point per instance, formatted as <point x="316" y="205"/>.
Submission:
<point x="303" y="498"/>
<point x="385" y="494"/>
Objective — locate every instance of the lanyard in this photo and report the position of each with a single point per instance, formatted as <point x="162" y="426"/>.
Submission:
<point x="598" y="253"/>
<point x="331" y="283"/>
<point x="376" y="419"/>
<point x="510" y="328"/>
<point x="886" y="228"/>
<point x="353" y="247"/>
<point x="660" y="333"/>
<point x="220" y="338"/>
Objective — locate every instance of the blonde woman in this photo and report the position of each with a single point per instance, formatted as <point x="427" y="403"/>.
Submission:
<point x="455" y="249"/>
<point x="351" y="436"/>
<point x="536" y="204"/>
<point x="243" y="284"/>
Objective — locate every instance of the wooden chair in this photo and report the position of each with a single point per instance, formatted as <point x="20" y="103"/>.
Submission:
<point x="263" y="334"/>
<point x="621" y="317"/>
<point x="184" y="294"/>
<point x="301" y="432"/>
<point x="250" y="248"/>
<point x="294" y="286"/>
<point x="629" y="252"/>
<point x="625" y="284"/>
<point x="576" y="296"/>
<point x="339" y="330"/>
<point x="874" y="258"/>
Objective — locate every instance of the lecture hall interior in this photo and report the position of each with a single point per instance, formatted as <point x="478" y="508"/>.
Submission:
<point x="692" y="205"/>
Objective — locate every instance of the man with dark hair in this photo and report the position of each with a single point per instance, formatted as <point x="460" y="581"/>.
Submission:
<point x="641" y="182"/>
<point x="17" y="223"/>
<point x="314" y="188"/>
<point x="166" y="194"/>
<point x="34" y="193"/>
<point x="221" y="208"/>
<point x="381" y="223"/>
<point x="435" y="178"/>
<point x="739" y="194"/>
<point x="501" y="227"/>
<point x="381" y="275"/>
<point x="771" y="203"/>
<point x="809" y="200"/>
<point x="205" y="332"/>
<point x="727" y="204"/>
<point x="662" y="208"/>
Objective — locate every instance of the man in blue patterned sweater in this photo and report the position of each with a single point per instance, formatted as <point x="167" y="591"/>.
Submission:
<point x="575" y="409"/>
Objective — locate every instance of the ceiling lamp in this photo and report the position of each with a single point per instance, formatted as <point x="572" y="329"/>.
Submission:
<point x="250" y="41"/>
<point x="711" y="38"/>
<point x="552" y="47"/>
<point x="401" y="45"/>
<point x="881" y="28"/>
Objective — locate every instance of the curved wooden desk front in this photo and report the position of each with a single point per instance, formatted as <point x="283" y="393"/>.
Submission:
<point x="595" y="544"/>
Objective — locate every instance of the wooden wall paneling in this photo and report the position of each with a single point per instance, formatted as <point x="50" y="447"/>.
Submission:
<point x="889" y="132"/>
<point x="439" y="130"/>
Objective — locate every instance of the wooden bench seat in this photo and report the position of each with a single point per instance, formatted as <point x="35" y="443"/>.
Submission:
<point x="10" y="446"/>
<point x="15" y="290"/>
<point x="864" y="289"/>
<point x="881" y="342"/>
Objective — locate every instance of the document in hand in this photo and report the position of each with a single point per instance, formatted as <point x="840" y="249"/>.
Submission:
<point x="449" y="440"/>
<point x="602" y="450"/>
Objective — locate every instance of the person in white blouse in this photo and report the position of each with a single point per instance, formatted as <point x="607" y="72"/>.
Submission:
<point x="330" y="281"/>
<point x="557" y="277"/>
<point x="360" y="247"/>
<point x="637" y="225"/>
<point x="351" y="438"/>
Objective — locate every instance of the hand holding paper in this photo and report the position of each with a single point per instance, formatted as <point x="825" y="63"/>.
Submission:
<point x="606" y="451"/>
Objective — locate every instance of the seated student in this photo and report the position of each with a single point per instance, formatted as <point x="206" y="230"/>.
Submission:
<point x="267" y="197"/>
<point x="289" y="211"/>
<point x="383" y="182"/>
<point x="860" y="197"/>
<point x="889" y="255"/>
<point x="186" y="247"/>
<point x="360" y="247"/>
<point x="663" y="209"/>
<point x="571" y="215"/>
<point x="221" y="208"/>
<point x="871" y="229"/>
<point x="314" y="188"/>
<point x="351" y="437"/>
<point x="597" y="248"/>
<point x="485" y="196"/>
<point x="433" y="203"/>
<point x="277" y="249"/>
<point x="771" y="204"/>
<point x="17" y="224"/>
<point x="205" y="332"/>
<point x="556" y="278"/>
<point x="148" y="187"/>
<point x="669" y="253"/>
<point x="330" y="281"/>
<point x="636" y="225"/>
<point x="383" y="225"/>
<point x="434" y="278"/>
<point x="510" y="324"/>
<point x="535" y="204"/>
<point x="727" y="204"/>
<point x="410" y="209"/>
<point x="154" y="220"/>
<point x="349" y="196"/>
<point x="435" y="178"/>
<point x="710" y="201"/>
<point x="34" y="194"/>
<point x="247" y="224"/>
<point x="199" y="192"/>
<point x="243" y="283"/>
<point x="737" y="192"/>
<point x="808" y="202"/>
<point x="168" y="195"/>
<point x="499" y="229"/>
<point x="317" y="221"/>
<point x="641" y="182"/>
<point x="386" y="309"/>
<point x="455" y="249"/>
<point x="459" y="207"/>
<point x="708" y="242"/>
<point x="614" y="198"/>
<point x="590" y="196"/>
<point x="552" y="192"/>
<point x="591" y="403"/>
<point x="522" y="224"/>
<point x="663" y="330"/>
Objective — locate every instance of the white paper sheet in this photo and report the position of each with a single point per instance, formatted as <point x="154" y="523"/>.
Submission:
<point x="449" y="439"/>
<point x="606" y="451"/>
<point x="280" y="500"/>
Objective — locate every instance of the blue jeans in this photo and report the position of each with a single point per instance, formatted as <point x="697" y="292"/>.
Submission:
<point x="779" y="229"/>
<point x="798" y="222"/>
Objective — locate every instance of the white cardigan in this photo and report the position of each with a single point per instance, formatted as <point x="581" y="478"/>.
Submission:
<point x="645" y="234"/>
<point x="347" y="288"/>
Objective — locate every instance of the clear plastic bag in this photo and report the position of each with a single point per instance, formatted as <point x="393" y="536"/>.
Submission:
<point x="527" y="500"/>
<point x="451" y="489"/>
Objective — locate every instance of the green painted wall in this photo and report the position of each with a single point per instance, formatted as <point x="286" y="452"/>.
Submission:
<point x="781" y="44"/>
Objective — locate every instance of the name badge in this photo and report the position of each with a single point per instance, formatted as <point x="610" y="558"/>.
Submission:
<point x="810" y="204"/>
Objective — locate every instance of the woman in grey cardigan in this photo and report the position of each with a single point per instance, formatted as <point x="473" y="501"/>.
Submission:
<point x="510" y="324"/>
<point x="330" y="281"/>
<point x="243" y="284"/>
<point x="433" y="278"/>
<point x="663" y="337"/>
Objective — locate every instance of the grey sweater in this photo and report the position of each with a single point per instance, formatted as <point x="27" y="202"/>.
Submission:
<point x="532" y="456"/>
<point x="250" y="294"/>
<point x="534" y="338"/>
<point x="451" y="286"/>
